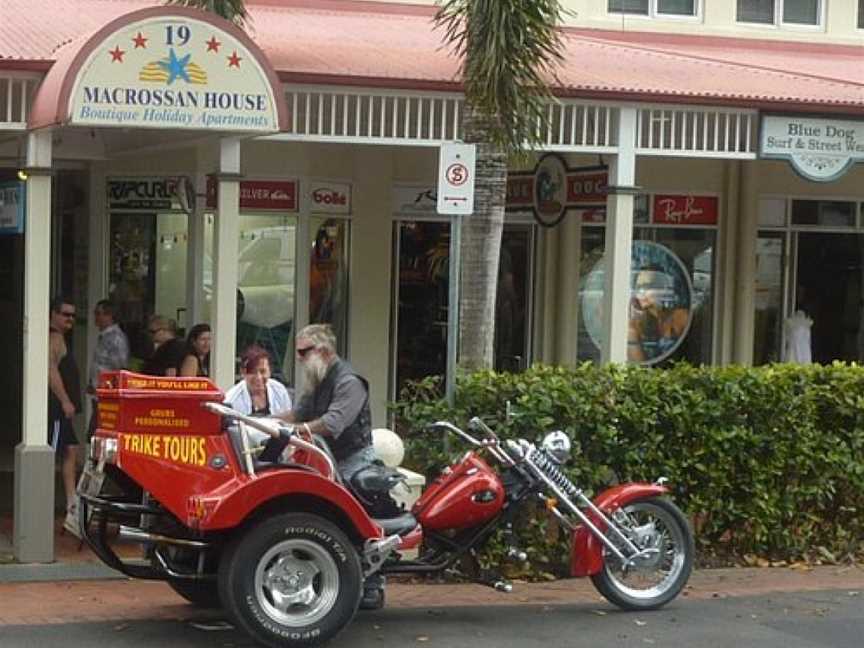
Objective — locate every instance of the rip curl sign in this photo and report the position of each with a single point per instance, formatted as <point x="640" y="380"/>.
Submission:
<point x="174" y="69"/>
<point x="552" y="188"/>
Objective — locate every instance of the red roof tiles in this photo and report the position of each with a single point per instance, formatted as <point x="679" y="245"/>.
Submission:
<point x="339" y="41"/>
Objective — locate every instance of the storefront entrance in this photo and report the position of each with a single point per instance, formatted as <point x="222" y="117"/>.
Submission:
<point x="147" y="274"/>
<point x="421" y="300"/>
<point x="828" y="287"/>
<point x="811" y="259"/>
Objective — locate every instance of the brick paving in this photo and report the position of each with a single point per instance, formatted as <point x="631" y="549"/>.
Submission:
<point x="121" y="600"/>
<point x="59" y="602"/>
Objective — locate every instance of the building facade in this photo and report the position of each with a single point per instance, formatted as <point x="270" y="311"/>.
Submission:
<point x="662" y="220"/>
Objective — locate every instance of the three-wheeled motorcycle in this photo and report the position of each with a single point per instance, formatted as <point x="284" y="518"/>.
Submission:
<point x="284" y="546"/>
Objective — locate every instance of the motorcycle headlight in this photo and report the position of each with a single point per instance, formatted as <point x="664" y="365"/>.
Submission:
<point x="557" y="444"/>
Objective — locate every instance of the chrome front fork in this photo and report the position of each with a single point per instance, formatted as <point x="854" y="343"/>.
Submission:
<point x="635" y="552"/>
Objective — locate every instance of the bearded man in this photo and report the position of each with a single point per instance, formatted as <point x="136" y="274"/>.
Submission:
<point x="335" y="405"/>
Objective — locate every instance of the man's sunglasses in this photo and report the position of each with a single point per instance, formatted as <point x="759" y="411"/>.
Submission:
<point x="305" y="350"/>
<point x="67" y="314"/>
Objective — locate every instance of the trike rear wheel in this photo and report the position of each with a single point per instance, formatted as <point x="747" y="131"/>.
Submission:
<point x="654" y="581"/>
<point x="293" y="580"/>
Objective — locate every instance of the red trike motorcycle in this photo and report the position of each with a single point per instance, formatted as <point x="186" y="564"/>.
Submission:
<point x="284" y="546"/>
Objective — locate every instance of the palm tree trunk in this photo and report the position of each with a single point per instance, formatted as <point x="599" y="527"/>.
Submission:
<point x="481" y="246"/>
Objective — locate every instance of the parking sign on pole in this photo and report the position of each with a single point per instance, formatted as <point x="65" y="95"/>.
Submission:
<point x="455" y="197"/>
<point x="456" y="179"/>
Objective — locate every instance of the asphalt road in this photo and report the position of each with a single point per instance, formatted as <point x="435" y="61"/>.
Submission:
<point x="824" y="619"/>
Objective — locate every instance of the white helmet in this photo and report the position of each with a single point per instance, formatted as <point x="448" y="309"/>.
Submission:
<point x="557" y="444"/>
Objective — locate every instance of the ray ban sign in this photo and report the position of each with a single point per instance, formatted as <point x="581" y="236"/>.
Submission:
<point x="819" y="149"/>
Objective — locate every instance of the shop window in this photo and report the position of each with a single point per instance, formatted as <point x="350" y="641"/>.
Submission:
<point x="654" y="7"/>
<point x="328" y="276"/>
<point x="823" y="213"/>
<point x="265" y="286"/>
<point x="672" y="299"/>
<point x="147" y="274"/>
<point x="789" y="12"/>
<point x="808" y="267"/>
<point x="422" y="296"/>
<point x="768" y="320"/>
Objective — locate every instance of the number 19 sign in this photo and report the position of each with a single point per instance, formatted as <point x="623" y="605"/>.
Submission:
<point x="456" y="179"/>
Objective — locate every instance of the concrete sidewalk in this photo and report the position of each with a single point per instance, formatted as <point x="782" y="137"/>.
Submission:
<point x="119" y="600"/>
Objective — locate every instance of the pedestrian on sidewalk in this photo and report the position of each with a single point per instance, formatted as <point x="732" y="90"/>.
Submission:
<point x="111" y="352"/>
<point x="64" y="398"/>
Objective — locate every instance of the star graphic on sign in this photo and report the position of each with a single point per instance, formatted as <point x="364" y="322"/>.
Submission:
<point x="175" y="67"/>
<point x="234" y="60"/>
<point x="213" y="44"/>
<point x="140" y="41"/>
<point x="116" y="54"/>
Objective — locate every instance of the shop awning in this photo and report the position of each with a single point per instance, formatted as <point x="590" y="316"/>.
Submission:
<point x="395" y="46"/>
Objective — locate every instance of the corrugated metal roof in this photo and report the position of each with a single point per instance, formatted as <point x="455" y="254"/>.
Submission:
<point x="339" y="41"/>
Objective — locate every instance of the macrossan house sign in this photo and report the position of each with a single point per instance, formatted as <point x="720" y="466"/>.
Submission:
<point x="820" y="149"/>
<point x="552" y="188"/>
<point x="167" y="68"/>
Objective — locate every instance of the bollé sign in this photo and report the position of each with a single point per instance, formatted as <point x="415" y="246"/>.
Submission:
<point x="329" y="197"/>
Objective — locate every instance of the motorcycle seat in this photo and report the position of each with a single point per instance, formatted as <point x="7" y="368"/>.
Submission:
<point x="399" y="525"/>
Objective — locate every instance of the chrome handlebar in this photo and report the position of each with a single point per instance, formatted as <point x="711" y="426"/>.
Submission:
<point x="275" y="430"/>
<point x="490" y="441"/>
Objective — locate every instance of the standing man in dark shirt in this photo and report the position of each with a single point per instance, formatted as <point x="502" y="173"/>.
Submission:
<point x="64" y="399"/>
<point x="335" y="405"/>
<point x="168" y="349"/>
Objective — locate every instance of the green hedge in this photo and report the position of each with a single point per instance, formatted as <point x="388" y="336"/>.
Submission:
<point x="767" y="461"/>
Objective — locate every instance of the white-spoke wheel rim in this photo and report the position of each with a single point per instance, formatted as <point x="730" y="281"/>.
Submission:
<point x="668" y="538"/>
<point x="296" y="582"/>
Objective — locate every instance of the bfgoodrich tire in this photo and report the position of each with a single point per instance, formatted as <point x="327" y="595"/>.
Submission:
<point x="291" y="581"/>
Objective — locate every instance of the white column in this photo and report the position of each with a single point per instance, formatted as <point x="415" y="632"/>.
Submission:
<point x="570" y="245"/>
<point x="727" y="266"/>
<point x="97" y="266"/>
<point x="195" y="255"/>
<point x="619" y="238"/>
<point x="225" y="261"/>
<point x="34" y="459"/>
<point x="745" y="295"/>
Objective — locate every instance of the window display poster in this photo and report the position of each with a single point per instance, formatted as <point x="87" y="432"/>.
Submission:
<point x="11" y="207"/>
<point x="661" y="302"/>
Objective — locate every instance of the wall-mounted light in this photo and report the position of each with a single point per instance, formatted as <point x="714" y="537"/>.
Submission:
<point x="23" y="175"/>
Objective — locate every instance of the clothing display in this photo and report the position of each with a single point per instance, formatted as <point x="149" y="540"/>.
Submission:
<point x="797" y="348"/>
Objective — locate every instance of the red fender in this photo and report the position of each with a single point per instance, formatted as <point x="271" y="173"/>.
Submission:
<point x="229" y="505"/>
<point x="586" y="551"/>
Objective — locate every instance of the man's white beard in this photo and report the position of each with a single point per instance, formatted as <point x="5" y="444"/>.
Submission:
<point x="314" y="370"/>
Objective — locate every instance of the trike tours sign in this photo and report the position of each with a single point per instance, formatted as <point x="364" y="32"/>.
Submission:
<point x="820" y="149"/>
<point x="175" y="69"/>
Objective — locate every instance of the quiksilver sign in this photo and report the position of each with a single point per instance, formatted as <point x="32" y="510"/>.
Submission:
<point x="174" y="71"/>
<point x="819" y="149"/>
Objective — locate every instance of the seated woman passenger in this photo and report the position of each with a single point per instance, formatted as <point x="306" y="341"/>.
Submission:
<point x="257" y="394"/>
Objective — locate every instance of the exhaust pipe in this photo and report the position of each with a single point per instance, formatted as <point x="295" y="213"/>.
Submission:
<point x="139" y="536"/>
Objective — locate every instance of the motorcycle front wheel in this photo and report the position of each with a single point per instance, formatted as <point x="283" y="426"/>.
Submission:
<point x="653" y="581"/>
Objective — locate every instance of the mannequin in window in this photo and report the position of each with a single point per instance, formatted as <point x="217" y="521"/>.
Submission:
<point x="797" y="348"/>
